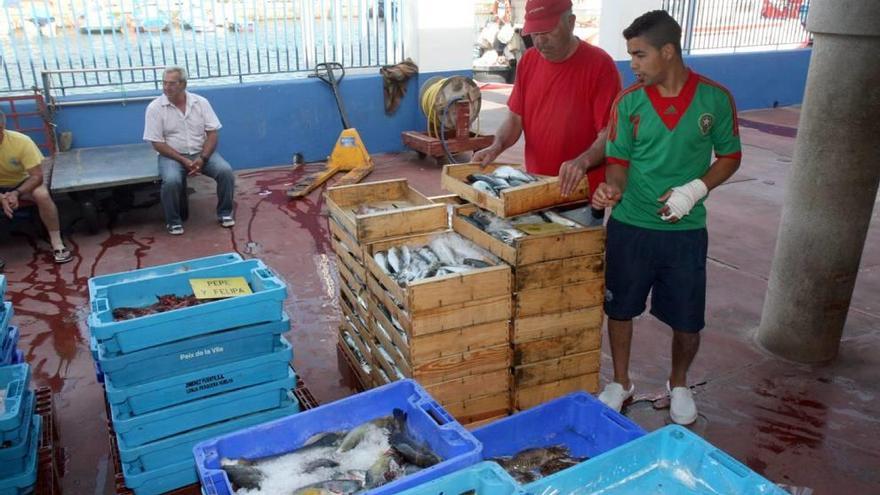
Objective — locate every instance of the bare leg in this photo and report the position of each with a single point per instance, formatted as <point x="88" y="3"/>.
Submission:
<point x="620" y="338"/>
<point x="684" y="348"/>
<point x="49" y="215"/>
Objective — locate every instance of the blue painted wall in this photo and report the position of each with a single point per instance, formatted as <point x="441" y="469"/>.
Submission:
<point x="265" y="123"/>
<point x="756" y="80"/>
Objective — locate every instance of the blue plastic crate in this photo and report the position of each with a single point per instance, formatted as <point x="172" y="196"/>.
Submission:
<point x="193" y="354"/>
<point x="485" y="478"/>
<point x="156" y="455"/>
<point x="14" y="382"/>
<point x="161" y="480"/>
<point x="430" y="422"/>
<point x="120" y="337"/>
<point x="6" y="314"/>
<point x="93" y="347"/>
<point x="139" y="430"/>
<point x="671" y="460"/>
<point x="180" y="389"/>
<point x="579" y="421"/>
<point x="9" y="345"/>
<point x="96" y="283"/>
<point x="25" y="481"/>
<point x="2" y="287"/>
<point x="19" y="357"/>
<point x="14" y="454"/>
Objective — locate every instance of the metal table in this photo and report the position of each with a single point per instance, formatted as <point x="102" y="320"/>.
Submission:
<point x="84" y="173"/>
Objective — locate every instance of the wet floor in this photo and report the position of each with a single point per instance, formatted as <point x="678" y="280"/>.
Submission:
<point x="805" y="426"/>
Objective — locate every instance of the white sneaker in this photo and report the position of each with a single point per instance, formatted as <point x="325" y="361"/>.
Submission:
<point x="614" y="395"/>
<point x="682" y="408"/>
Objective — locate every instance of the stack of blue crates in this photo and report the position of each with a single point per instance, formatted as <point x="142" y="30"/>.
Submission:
<point x="175" y="378"/>
<point x="9" y="352"/>
<point x="19" y="431"/>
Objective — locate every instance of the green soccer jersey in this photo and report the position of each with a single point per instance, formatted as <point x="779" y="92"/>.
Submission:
<point x="667" y="142"/>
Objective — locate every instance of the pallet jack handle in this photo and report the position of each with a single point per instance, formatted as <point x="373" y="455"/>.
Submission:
<point x="326" y="71"/>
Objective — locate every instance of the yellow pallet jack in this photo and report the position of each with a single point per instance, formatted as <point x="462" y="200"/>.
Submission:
<point x="349" y="154"/>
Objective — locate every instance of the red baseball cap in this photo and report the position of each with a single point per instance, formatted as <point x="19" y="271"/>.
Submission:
<point x="543" y="15"/>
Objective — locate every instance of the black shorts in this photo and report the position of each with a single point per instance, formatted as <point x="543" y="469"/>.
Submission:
<point x="671" y="265"/>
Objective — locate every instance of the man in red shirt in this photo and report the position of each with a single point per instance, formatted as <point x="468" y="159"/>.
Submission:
<point x="561" y="100"/>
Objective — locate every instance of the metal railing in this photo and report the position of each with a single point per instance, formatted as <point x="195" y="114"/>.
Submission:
<point x="740" y="25"/>
<point x="217" y="41"/>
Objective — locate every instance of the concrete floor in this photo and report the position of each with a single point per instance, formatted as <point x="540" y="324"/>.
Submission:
<point x="804" y="426"/>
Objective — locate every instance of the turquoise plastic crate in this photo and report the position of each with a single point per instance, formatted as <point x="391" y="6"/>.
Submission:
<point x="180" y="389"/>
<point x="485" y="478"/>
<point x="9" y="345"/>
<point x="156" y="455"/>
<point x="14" y="455"/>
<point x="671" y="460"/>
<point x="19" y="357"/>
<point x="6" y="314"/>
<point x="139" y="430"/>
<point x="120" y="337"/>
<point x="14" y="382"/>
<point x="2" y="287"/>
<point x="24" y="482"/>
<point x="161" y="480"/>
<point x="96" y="283"/>
<point x="425" y="418"/>
<point x="193" y="354"/>
<point x="579" y="421"/>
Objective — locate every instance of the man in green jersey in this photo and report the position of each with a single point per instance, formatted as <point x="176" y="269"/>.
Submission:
<point x="663" y="131"/>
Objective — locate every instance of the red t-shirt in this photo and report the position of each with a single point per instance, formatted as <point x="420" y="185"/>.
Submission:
<point x="563" y="106"/>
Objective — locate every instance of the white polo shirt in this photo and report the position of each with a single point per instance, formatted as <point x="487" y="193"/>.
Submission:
<point x="185" y="132"/>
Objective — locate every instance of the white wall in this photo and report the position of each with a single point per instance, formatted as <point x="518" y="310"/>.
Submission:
<point x="439" y="35"/>
<point x="616" y="16"/>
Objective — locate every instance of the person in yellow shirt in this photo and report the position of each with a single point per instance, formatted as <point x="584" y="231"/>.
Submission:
<point x="21" y="177"/>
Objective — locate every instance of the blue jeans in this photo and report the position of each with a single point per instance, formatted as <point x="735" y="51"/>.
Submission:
<point x="174" y="187"/>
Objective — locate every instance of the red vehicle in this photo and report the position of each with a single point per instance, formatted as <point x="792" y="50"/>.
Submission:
<point x="781" y="9"/>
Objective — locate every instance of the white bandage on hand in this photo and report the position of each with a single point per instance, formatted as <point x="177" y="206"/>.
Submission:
<point x="683" y="199"/>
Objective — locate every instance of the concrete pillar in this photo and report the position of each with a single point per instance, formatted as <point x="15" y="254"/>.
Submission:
<point x="615" y="17"/>
<point x="832" y="186"/>
<point x="439" y="36"/>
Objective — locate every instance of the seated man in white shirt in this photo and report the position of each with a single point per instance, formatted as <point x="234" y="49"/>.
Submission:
<point x="183" y="127"/>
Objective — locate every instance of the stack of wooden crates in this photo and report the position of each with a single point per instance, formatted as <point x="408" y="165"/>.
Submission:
<point x="485" y="342"/>
<point x="558" y="289"/>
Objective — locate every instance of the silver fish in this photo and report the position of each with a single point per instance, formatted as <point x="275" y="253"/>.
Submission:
<point x="394" y="260"/>
<point x="405" y="255"/>
<point x="484" y="187"/>
<point x="561" y="220"/>
<point x="456" y="268"/>
<point x="508" y="172"/>
<point x="381" y="260"/>
<point x="334" y="487"/>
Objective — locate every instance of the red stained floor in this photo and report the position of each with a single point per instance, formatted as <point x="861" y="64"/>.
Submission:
<point x="806" y="426"/>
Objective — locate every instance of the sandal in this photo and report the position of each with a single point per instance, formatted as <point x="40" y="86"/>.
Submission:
<point x="62" y="255"/>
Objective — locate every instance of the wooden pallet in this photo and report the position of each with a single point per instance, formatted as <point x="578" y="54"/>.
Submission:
<point x="50" y="454"/>
<point x="412" y="213"/>
<point x="307" y="401"/>
<point x="513" y="201"/>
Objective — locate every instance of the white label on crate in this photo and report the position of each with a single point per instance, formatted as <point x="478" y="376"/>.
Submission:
<point x="207" y="351"/>
<point x="207" y="383"/>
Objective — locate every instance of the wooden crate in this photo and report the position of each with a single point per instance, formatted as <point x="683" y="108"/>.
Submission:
<point x="527" y="397"/>
<point x="425" y="348"/>
<point x="559" y="299"/>
<point x="483" y="422"/>
<point x="438" y="293"/>
<point x="479" y="409"/>
<point x="513" y="201"/>
<point x="351" y="306"/>
<point x="475" y="361"/>
<point x="414" y="212"/>
<point x="556" y="369"/>
<point x="553" y="325"/>
<point x="571" y="341"/>
<point x="351" y="262"/>
<point x="449" y="317"/>
<point x="364" y="377"/>
<point x="573" y="243"/>
<point x="338" y="234"/>
<point x="471" y="386"/>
